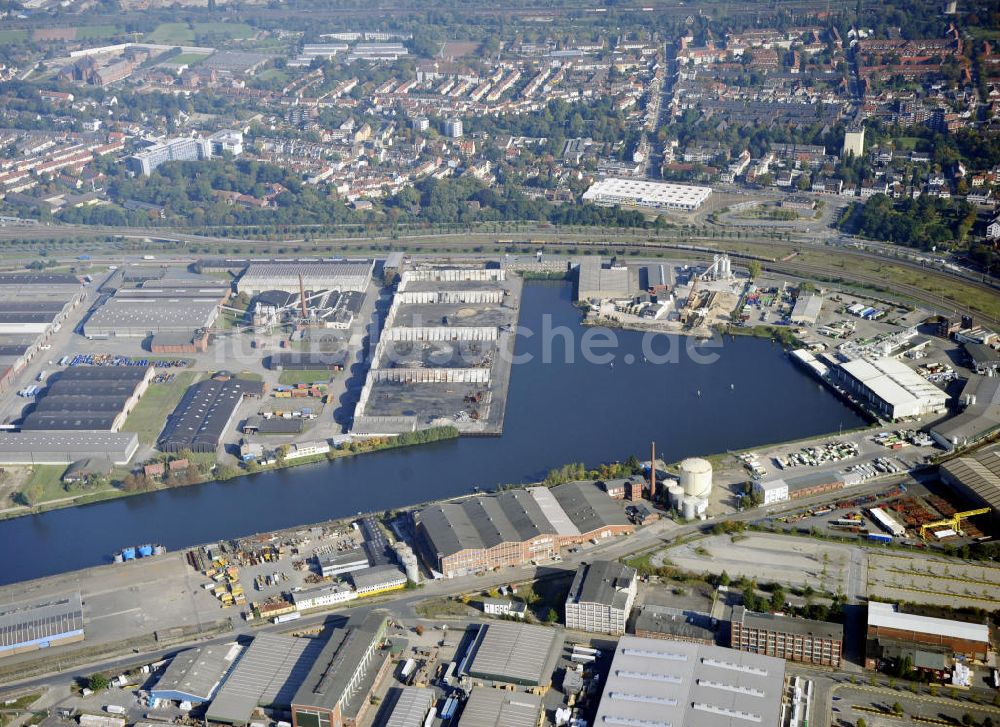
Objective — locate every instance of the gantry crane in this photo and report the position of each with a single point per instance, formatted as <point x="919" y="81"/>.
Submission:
<point x="954" y="522"/>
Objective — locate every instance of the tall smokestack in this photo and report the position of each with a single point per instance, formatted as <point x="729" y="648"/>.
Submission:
<point x="652" y="472"/>
<point x="302" y="297"/>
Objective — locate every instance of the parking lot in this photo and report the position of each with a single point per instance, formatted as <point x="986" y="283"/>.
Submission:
<point x="928" y="579"/>
<point x="774" y="558"/>
<point x="875" y="706"/>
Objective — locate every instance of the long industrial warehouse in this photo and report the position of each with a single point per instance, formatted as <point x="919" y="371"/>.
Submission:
<point x="513" y="528"/>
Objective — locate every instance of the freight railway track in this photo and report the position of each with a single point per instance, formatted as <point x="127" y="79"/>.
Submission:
<point x="617" y="240"/>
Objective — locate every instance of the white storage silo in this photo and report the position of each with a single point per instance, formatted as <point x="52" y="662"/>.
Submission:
<point x="689" y="507"/>
<point x="411" y="567"/>
<point x="675" y="494"/>
<point x="696" y="476"/>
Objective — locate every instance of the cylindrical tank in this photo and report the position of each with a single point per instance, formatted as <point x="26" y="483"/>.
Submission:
<point x="412" y="568"/>
<point x="675" y="493"/>
<point x="689" y="507"/>
<point x="696" y="476"/>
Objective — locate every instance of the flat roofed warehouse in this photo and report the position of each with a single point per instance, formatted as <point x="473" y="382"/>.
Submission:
<point x="268" y="674"/>
<point x="489" y="707"/>
<point x="411" y="707"/>
<point x="313" y="276"/>
<point x="138" y="317"/>
<point x="654" y="682"/>
<point x="193" y="675"/>
<point x="891" y="388"/>
<point x="515" y="653"/>
<point x="64" y="447"/>
<point x="641" y="193"/>
<point x="29" y="626"/>
<point x="205" y="414"/>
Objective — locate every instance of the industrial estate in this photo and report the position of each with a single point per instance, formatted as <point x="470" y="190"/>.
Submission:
<point x="549" y="364"/>
<point x="549" y="603"/>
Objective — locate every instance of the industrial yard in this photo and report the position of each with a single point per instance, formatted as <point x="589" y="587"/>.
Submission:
<point x="444" y="355"/>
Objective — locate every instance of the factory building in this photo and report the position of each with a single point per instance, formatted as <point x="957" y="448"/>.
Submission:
<point x="931" y="643"/>
<point x="30" y="626"/>
<point x="269" y="673"/>
<point x="596" y="281"/>
<point x="66" y="447"/>
<point x="654" y="682"/>
<point x="94" y="398"/>
<point x="976" y="477"/>
<point x="980" y="417"/>
<point x="640" y="193"/>
<point x="890" y="388"/>
<point x="206" y="412"/>
<point x="194" y="675"/>
<point x="322" y="596"/>
<point x="771" y="491"/>
<point x="515" y="527"/>
<point x="337" y="690"/>
<point x="807" y="309"/>
<point x="411" y="707"/>
<point x="158" y="308"/>
<point x="513" y="653"/>
<point x="601" y="597"/>
<point x="313" y="276"/>
<point x="337" y="564"/>
<point x="489" y="707"/>
<point x="32" y="308"/>
<point x="792" y="639"/>
<point x="377" y="579"/>
<point x="663" y="622"/>
<point x="187" y="149"/>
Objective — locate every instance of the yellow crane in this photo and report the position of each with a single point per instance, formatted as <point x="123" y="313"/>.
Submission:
<point x="954" y="522"/>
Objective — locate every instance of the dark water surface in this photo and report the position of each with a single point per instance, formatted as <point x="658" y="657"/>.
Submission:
<point x="556" y="413"/>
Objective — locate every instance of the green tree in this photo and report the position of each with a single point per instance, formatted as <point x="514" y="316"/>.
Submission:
<point x="897" y="708"/>
<point x="98" y="682"/>
<point x="552" y="616"/>
<point x="754" y="267"/>
<point x="862" y="722"/>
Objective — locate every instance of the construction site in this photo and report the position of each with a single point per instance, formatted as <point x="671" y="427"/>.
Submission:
<point x="440" y="358"/>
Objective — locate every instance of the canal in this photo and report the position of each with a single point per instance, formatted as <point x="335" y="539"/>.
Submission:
<point x="563" y="410"/>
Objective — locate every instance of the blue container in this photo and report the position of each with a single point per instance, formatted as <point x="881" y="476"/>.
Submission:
<point x="128" y="553"/>
<point x="145" y="551"/>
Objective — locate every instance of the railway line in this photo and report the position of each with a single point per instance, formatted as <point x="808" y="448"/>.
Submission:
<point x="620" y="241"/>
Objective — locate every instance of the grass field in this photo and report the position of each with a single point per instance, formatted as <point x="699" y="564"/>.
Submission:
<point x="182" y="33"/>
<point x="96" y="32"/>
<point x="188" y="59"/>
<point x="274" y="74"/>
<point x="148" y="417"/>
<point x="12" y="36"/>
<point x="48" y="477"/>
<point x="298" y="377"/>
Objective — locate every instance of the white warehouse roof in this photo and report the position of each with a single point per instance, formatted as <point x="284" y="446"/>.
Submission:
<point x="887" y="616"/>
<point x="894" y="382"/>
<point x="638" y="192"/>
